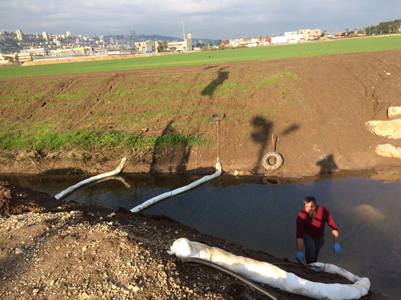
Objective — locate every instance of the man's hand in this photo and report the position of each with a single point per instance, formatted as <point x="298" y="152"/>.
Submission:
<point x="337" y="249"/>
<point x="300" y="256"/>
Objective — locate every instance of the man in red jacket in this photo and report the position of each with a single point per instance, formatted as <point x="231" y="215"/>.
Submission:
<point x="310" y="230"/>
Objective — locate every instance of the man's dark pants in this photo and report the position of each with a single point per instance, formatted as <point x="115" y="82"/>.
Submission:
<point x="312" y="247"/>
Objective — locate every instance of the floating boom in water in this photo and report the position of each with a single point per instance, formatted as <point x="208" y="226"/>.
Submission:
<point x="177" y="191"/>
<point x="91" y="180"/>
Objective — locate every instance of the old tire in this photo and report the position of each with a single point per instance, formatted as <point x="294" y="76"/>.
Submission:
<point x="272" y="156"/>
<point x="217" y="117"/>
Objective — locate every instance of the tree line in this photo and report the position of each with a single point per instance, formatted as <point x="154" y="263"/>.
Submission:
<point x="384" y="28"/>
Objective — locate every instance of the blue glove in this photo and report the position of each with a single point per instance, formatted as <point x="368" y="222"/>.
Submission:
<point x="337" y="249"/>
<point x="300" y="256"/>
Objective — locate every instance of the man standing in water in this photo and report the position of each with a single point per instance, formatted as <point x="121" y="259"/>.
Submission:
<point x="310" y="230"/>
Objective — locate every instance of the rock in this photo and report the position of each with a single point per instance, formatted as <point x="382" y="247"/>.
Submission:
<point x="394" y="112"/>
<point x="390" y="129"/>
<point x="388" y="150"/>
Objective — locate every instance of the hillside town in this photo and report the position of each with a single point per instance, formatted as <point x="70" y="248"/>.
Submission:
<point x="17" y="47"/>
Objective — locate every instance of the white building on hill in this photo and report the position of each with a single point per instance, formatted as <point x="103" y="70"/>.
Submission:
<point x="185" y="45"/>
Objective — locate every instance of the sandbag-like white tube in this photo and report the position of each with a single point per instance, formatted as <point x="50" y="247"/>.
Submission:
<point x="177" y="191"/>
<point x="91" y="180"/>
<point x="273" y="276"/>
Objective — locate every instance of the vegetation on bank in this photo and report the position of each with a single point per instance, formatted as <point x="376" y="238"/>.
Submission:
<point x="54" y="114"/>
<point x="367" y="44"/>
<point x="87" y="140"/>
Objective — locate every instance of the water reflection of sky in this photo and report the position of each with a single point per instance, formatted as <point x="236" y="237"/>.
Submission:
<point x="261" y="216"/>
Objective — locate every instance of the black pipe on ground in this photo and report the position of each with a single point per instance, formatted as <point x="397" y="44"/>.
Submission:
<point x="228" y="271"/>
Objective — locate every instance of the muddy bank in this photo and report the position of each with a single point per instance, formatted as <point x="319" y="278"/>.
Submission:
<point x="52" y="249"/>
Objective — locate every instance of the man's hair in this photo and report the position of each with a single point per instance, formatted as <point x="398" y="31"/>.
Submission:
<point x="309" y="199"/>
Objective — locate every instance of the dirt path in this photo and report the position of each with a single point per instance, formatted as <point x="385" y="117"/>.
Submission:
<point x="312" y="109"/>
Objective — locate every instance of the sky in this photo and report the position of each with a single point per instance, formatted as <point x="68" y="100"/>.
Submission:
<point x="211" y="19"/>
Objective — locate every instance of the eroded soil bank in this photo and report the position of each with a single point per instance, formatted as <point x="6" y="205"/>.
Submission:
<point x="51" y="249"/>
<point x="312" y="110"/>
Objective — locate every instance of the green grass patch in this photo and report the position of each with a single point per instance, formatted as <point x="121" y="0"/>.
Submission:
<point x="197" y="58"/>
<point x="269" y="81"/>
<point x="283" y="91"/>
<point x="89" y="140"/>
<point x="8" y="98"/>
<point x="72" y="96"/>
<point x="15" y="103"/>
<point x="291" y="75"/>
<point x="22" y="96"/>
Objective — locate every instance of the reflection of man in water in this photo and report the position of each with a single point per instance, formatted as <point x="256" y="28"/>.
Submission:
<point x="310" y="230"/>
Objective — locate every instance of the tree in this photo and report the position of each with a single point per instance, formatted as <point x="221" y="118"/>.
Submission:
<point x="162" y="46"/>
<point x="384" y="27"/>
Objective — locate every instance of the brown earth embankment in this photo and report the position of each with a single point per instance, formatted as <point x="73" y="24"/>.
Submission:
<point x="311" y="110"/>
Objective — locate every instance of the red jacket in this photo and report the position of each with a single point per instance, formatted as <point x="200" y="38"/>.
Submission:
<point x="314" y="227"/>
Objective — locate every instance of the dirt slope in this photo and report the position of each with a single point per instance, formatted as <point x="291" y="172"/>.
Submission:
<point x="316" y="108"/>
<point x="50" y="249"/>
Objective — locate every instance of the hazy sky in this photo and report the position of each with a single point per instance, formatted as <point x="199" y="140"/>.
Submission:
<point x="214" y="19"/>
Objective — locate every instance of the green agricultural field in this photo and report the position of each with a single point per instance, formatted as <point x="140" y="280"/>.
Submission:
<point x="199" y="58"/>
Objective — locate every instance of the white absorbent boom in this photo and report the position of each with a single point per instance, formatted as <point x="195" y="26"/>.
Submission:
<point x="93" y="179"/>
<point x="273" y="276"/>
<point x="177" y="191"/>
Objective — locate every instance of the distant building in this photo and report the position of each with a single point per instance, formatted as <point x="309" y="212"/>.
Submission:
<point x="291" y="39"/>
<point x="148" y="46"/>
<point x="310" y="34"/>
<point x="34" y="51"/>
<point x="20" y="35"/>
<point x="185" y="45"/>
<point x="9" y="58"/>
<point x="69" y="34"/>
<point x="45" y="36"/>
<point x="68" y="52"/>
<point x="290" y="33"/>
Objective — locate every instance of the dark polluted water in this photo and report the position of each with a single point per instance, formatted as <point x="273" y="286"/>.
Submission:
<point x="260" y="213"/>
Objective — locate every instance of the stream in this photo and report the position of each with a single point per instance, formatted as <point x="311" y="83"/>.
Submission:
<point x="260" y="213"/>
